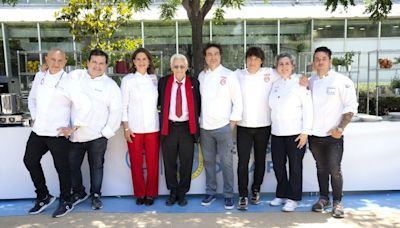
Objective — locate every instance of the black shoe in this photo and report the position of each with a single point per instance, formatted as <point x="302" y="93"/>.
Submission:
<point x="243" y="203"/>
<point x="63" y="208"/>
<point x="79" y="198"/>
<point x="255" y="198"/>
<point x="321" y="205"/>
<point x="42" y="204"/>
<point x="149" y="201"/>
<point x="171" y="200"/>
<point x="182" y="200"/>
<point x="140" y="201"/>
<point x="96" y="202"/>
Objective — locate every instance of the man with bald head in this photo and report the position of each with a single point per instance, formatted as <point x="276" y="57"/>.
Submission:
<point x="50" y="100"/>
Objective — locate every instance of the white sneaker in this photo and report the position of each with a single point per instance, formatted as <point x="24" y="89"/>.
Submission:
<point x="277" y="201"/>
<point x="290" y="206"/>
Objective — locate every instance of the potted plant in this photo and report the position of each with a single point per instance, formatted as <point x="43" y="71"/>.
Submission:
<point x="338" y="63"/>
<point x="395" y="84"/>
<point x="348" y="60"/>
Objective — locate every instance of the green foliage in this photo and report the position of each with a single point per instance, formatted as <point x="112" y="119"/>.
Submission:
<point x="219" y="16"/>
<point x="377" y="9"/>
<point x="348" y="58"/>
<point x="95" y="22"/>
<point x="386" y="104"/>
<point x="9" y="2"/>
<point x="336" y="61"/>
<point x="395" y="82"/>
<point x="168" y="9"/>
<point x="396" y="60"/>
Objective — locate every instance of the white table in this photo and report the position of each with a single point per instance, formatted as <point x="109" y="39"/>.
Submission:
<point x="370" y="162"/>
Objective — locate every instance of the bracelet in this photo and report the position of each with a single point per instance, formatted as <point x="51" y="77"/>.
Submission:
<point x="126" y="129"/>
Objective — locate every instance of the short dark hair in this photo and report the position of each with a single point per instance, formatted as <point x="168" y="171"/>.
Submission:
<point x="255" y="51"/>
<point x="210" y="45"/>
<point x="323" y="49"/>
<point x="151" y="68"/>
<point x="98" y="52"/>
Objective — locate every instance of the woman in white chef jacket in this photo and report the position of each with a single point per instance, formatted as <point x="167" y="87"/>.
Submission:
<point x="291" y="116"/>
<point x="141" y="125"/>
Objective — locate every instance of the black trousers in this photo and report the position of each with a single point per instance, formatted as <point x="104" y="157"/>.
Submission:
<point x="283" y="148"/>
<point x="36" y="147"/>
<point x="328" y="153"/>
<point x="246" y="138"/>
<point x="178" y="147"/>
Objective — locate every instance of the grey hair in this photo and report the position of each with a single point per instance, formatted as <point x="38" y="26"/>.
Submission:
<point x="285" y="55"/>
<point x="178" y="57"/>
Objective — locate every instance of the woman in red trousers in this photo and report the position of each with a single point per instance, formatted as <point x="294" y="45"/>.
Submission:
<point x="141" y="125"/>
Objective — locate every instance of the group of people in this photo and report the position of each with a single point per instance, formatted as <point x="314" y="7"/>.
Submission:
<point x="86" y="107"/>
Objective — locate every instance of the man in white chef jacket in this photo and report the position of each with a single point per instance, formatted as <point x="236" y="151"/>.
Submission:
<point x="221" y="108"/>
<point x="334" y="104"/>
<point x="50" y="99"/>
<point x="103" y="121"/>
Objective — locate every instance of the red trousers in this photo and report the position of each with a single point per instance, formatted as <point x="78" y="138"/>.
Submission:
<point x="148" y="144"/>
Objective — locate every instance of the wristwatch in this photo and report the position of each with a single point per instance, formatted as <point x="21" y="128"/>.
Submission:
<point x="340" y="129"/>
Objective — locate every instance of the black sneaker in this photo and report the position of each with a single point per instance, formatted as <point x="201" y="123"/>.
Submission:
<point x="42" y="204"/>
<point x="243" y="203"/>
<point x="79" y="198"/>
<point x="63" y="208"/>
<point x="96" y="202"/>
<point x="255" y="198"/>
<point x="321" y="205"/>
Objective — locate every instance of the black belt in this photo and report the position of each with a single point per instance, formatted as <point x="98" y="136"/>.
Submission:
<point x="178" y="123"/>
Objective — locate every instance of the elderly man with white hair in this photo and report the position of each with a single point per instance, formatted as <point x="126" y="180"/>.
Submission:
<point x="179" y="101"/>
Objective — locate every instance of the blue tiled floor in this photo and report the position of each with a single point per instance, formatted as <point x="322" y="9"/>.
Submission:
<point x="352" y="201"/>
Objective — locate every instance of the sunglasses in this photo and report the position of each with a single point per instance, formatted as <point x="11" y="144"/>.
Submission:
<point x="179" y="67"/>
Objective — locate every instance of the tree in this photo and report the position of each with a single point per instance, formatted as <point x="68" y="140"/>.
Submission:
<point x="377" y="9"/>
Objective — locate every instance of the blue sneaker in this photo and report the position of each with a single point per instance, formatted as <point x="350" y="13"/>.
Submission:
<point x="229" y="204"/>
<point x="208" y="199"/>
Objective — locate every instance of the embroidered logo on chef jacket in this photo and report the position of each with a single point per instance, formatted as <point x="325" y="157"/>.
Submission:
<point x="331" y="90"/>
<point x="98" y="90"/>
<point x="223" y="80"/>
<point x="154" y="80"/>
<point x="347" y="86"/>
<point x="267" y="77"/>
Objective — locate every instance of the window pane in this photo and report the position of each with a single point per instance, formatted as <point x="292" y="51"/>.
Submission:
<point x="230" y="36"/>
<point x="328" y="29"/>
<point x="361" y="28"/>
<point x="263" y="34"/>
<point x="390" y="28"/>
<point x="160" y="39"/>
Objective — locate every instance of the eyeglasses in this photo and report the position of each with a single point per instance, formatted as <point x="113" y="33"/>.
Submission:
<point x="179" y="67"/>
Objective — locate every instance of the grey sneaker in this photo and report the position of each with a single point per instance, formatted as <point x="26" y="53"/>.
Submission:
<point x="243" y="203"/>
<point x="255" y="198"/>
<point x="229" y="204"/>
<point x="96" y="202"/>
<point x="63" y="208"/>
<point x="321" y="205"/>
<point x="42" y="204"/>
<point x="79" y="198"/>
<point x="337" y="210"/>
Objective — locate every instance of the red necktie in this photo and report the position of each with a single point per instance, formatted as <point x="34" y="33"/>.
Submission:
<point x="178" y="105"/>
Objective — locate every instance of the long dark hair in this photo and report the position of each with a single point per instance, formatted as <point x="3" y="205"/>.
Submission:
<point x="151" y="69"/>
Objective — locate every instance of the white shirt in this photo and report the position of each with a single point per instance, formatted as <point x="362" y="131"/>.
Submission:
<point x="255" y="92"/>
<point x="333" y="96"/>
<point x="221" y="98"/>
<point x="185" y="111"/>
<point x="291" y="108"/>
<point x="139" y="102"/>
<point x="104" y="118"/>
<point x="50" y="101"/>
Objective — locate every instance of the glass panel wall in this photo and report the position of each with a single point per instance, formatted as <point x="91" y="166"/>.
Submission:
<point x="361" y="28"/>
<point x="160" y="38"/>
<point x="263" y="34"/>
<point x="390" y="28"/>
<point x="328" y="29"/>
<point x="230" y="36"/>
<point x="295" y="37"/>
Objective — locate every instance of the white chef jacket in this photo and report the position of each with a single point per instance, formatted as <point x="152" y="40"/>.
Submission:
<point x="255" y="92"/>
<point x="105" y="115"/>
<point x="333" y="96"/>
<point x="221" y="98"/>
<point x="50" y="101"/>
<point x="172" y="104"/>
<point x="139" y="102"/>
<point x="291" y="108"/>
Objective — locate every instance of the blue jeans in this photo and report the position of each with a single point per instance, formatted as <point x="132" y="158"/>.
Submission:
<point x="213" y="142"/>
<point x="328" y="152"/>
<point x="95" y="150"/>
